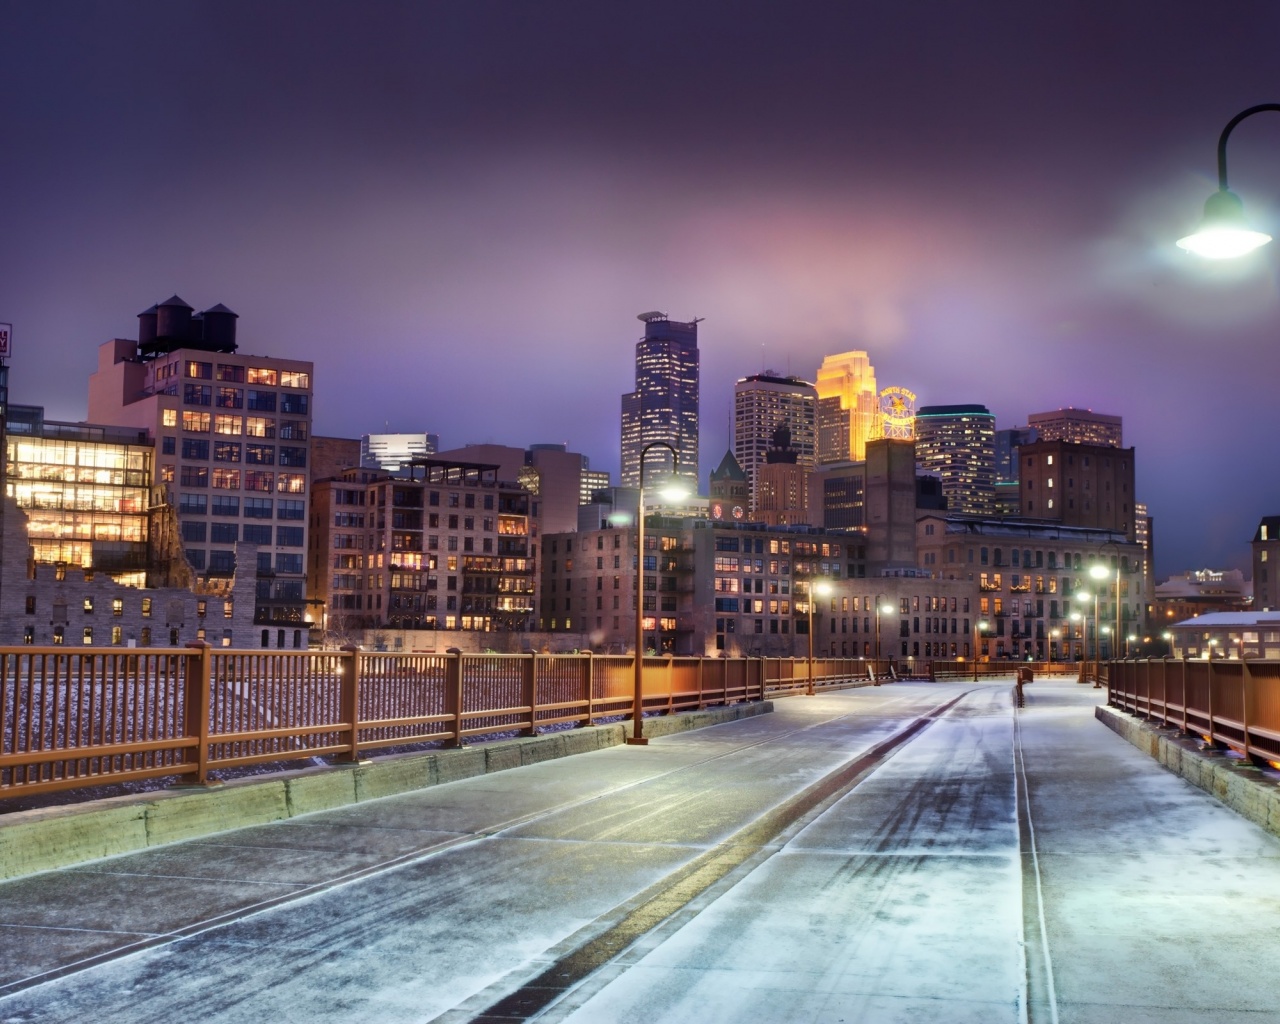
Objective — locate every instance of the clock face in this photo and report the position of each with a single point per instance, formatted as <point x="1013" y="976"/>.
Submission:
<point x="738" y="512"/>
<point x="717" y="511"/>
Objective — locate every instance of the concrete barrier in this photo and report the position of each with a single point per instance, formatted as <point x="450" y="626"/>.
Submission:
<point x="56" y="837"/>
<point x="1250" y="791"/>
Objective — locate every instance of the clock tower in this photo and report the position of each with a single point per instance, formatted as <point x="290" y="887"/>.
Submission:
<point x="728" y="489"/>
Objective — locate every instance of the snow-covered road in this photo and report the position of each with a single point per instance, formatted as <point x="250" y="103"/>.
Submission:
<point x="839" y="860"/>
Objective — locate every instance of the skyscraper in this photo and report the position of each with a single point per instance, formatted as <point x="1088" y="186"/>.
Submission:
<point x="957" y="443"/>
<point x="848" y="407"/>
<point x="664" y="405"/>
<point x="761" y="404"/>
<point x="1083" y="426"/>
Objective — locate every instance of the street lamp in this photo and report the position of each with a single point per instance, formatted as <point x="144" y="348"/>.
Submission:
<point x="1130" y="639"/>
<point x="979" y="627"/>
<point x="1053" y="639"/>
<point x="1081" y="618"/>
<point x="817" y="588"/>
<point x="887" y="609"/>
<point x="1223" y="232"/>
<point x="1168" y="638"/>
<point x="672" y="492"/>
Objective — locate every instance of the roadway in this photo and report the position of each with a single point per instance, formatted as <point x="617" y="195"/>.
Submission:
<point x="914" y="852"/>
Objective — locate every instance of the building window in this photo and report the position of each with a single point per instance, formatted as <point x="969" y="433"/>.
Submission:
<point x="231" y="374"/>
<point x="257" y="508"/>
<point x="289" y="563"/>
<point x="117" y="635"/>
<point x="291" y="483"/>
<point x="290" y="508"/>
<point x="255" y="533"/>
<point x="29" y="635"/>
<point x="263" y="375"/>
<point x="295" y="379"/>
<point x="197" y="394"/>
<point x="196" y="422"/>
<point x="259" y="480"/>
<point x="259" y="426"/>
<point x="88" y="635"/>
<point x="260" y="454"/>
<point x="293" y="456"/>
<point x="223" y="562"/>
<point x="194" y="448"/>
<point x="117" y="606"/>
<point x="200" y="371"/>
<point x="293" y="405"/>
<point x="59" y="633"/>
<point x="229" y="398"/>
<point x="224" y="533"/>
<point x="195" y="476"/>
<point x="226" y="479"/>
<point x="168" y="417"/>
<point x="293" y="430"/>
<point x="31" y="604"/>
<point x="192" y="504"/>
<point x="261" y="401"/>
<point x="224" y="505"/>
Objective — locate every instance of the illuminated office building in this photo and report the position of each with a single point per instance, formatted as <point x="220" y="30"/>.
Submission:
<point x="848" y="407"/>
<point x="664" y="405"/>
<point x="956" y="443"/>
<point x="1082" y="426"/>
<point x="761" y="404"/>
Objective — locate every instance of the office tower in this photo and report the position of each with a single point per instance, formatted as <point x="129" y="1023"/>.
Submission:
<point x="1007" y="444"/>
<point x="957" y="444"/>
<point x="782" y="484"/>
<point x="232" y="445"/>
<point x="1083" y="426"/>
<point x="848" y="407"/>
<point x="664" y="405"/>
<point x="762" y="403"/>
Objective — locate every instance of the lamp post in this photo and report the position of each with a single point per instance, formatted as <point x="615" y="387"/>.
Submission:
<point x="887" y="610"/>
<point x="673" y="493"/>
<point x="1130" y="639"/>
<point x="1080" y="618"/>
<point x="1167" y="637"/>
<point x="979" y="627"/>
<point x="817" y="588"/>
<point x="1223" y="232"/>
<point x="1053" y="639"/>
<point x="1099" y="573"/>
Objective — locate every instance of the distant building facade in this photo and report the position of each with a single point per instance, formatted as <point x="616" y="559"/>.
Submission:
<point x="1266" y="563"/>
<point x="1081" y="426"/>
<point x="232" y="437"/>
<point x="761" y="404"/>
<point x="848" y="407"/>
<point x="956" y="443"/>
<point x="664" y="405"/>
<point x="392" y="453"/>
<point x="1079" y="485"/>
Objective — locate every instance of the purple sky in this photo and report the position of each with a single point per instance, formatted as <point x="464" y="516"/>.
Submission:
<point x="457" y="209"/>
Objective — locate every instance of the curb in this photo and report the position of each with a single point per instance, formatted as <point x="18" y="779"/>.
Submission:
<point x="48" y="838"/>
<point x="1250" y="791"/>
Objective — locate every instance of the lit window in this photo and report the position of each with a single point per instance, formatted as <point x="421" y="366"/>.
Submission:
<point x="169" y="417"/>
<point x="261" y="375"/>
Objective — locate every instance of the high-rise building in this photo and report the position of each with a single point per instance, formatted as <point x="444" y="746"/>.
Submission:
<point x="761" y="404"/>
<point x="848" y="407"/>
<point x="664" y="406"/>
<point x="232" y="437"/>
<point x="957" y="444"/>
<point x="1007" y="444"/>
<point x="1083" y="426"/>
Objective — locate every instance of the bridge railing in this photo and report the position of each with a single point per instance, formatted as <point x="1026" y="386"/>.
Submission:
<point x="80" y="718"/>
<point x="1232" y="703"/>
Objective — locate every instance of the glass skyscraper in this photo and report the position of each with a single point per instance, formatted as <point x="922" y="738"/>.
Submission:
<point x="664" y="405"/>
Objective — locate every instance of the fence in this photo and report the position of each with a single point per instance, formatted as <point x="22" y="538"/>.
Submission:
<point x="1233" y="703"/>
<point x="81" y="718"/>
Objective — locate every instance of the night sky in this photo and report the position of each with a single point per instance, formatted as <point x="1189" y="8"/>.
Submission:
<point x="457" y="209"/>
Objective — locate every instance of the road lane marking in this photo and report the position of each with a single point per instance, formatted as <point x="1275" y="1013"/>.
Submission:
<point x="1027" y="839"/>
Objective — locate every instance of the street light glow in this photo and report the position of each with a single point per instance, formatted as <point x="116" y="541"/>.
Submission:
<point x="1223" y="233"/>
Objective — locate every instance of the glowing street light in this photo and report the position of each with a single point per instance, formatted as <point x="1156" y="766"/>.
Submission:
<point x="817" y="588"/>
<point x="1223" y="232"/>
<point x="1053" y="639"/>
<point x="887" y="609"/>
<point x="1167" y="636"/>
<point x="1084" y="640"/>
<point x="979" y="628"/>
<point x="673" y="491"/>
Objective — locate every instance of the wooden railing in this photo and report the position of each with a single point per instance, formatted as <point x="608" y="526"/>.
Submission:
<point x="1230" y="703"/>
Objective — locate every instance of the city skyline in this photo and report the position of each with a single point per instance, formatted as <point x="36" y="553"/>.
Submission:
<point x="456" y="214"/>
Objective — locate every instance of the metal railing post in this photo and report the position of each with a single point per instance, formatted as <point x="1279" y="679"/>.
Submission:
<point x="198" y="673"/>
<point x="529" y="686"/>
<point x="1246" y="688"/>
<point x="591" y="688"/>
<point x="453" y="694"/>
<point x="349" y="681"/>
